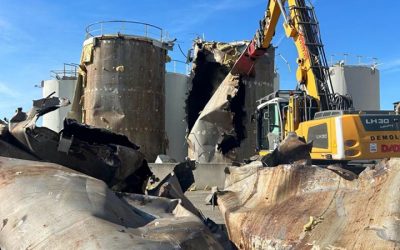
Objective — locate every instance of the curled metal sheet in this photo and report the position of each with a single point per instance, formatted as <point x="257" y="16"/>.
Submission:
<point x="220" y="104"/>
<point x="48" y="206"/>
<point x="93" y="151"/>
<point x="214" y="121"/>
<point x="308" y="207"/>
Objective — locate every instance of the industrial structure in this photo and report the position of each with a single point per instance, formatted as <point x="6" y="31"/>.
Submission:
<point x="314" y="167"/>
<point x="122" y="82"/>
<point x="176" y="88"/>
<point x="219" y="108"/>
<point x="361" y="82"/>
<point x="62" y="84"/>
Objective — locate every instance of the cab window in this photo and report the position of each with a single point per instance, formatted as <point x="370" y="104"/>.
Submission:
<point x="268" y="123"/>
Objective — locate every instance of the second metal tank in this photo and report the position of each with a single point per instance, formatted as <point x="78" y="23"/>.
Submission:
<point x="123" y="77"/>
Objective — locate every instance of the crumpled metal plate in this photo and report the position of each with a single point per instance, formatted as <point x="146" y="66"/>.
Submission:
<point x="48" y="206"/>
<point x="308" y="207"/>
<point x="93" y="151"/>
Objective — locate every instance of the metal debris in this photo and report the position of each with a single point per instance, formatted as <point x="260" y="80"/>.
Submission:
<point x="96" y="152"/>
<point x="66" y="207"/>
<point x="270" y="208"/>
<point x="219" y="104"/>
<point x="293" y="149"/>
<point x="48" y="206"/>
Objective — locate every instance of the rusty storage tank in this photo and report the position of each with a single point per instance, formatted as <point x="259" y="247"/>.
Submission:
<point x="123" y="77"/>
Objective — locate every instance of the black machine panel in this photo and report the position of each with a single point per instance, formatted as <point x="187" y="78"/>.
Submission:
<point x="381" y="122"/>
<point x="319" y="135"/>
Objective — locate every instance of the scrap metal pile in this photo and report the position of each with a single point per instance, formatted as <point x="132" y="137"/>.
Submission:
<point x="302" y="206"/>
<point x="84" y="188"/>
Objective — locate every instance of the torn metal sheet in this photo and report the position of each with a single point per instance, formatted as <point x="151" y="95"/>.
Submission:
<point x="48" y="206"/>
<point x="170" y="188"/>
<point x="207" y="74"/>
<point x="10" y="147"/>
<point x="220" y="104"/>
<point x="309" y="207"/>
<point x="293" y="149"/>
<point x="97" y="152"/>
<point x="175" y="184"/>
<point x="214" y="121"/>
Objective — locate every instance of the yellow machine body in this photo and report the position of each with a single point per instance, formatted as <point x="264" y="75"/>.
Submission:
<point x="352" y="137"/>
<point x="346" y="137"/>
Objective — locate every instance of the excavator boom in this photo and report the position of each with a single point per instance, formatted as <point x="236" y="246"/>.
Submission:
<point x="301" y="25"/>
<point x="314" y="111"/>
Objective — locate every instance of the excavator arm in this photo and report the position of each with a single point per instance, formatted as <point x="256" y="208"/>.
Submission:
<point x="301" y="25"/>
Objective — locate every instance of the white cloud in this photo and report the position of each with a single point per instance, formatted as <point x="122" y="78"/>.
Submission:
<point x="13" y="38"/>
<point x="8" y="92"/>
<point x="391" y="66"/>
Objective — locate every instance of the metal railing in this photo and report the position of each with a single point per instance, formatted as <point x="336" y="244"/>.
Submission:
<point x="124" y="28"/>
<point x="177" y="66"/>
<point x="69" y="72"/>
<point x="353" y="59"/>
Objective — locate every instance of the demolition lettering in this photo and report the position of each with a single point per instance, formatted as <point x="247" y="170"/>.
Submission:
<point x="384" y="137"/>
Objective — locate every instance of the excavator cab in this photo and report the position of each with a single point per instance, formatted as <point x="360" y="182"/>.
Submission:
<point x="274" y="119"/>
<point x="270" y="124"/>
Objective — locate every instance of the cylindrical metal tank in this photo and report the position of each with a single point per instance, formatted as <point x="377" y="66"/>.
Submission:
<point x="265" y="81"/>
<point x="276" y="80"/>
<point x="176" y="87"/>
<point x="209" y="89"/>
<point x="123" y="86"/>
<point x="63" y="85"/>
<point x="359" y="81"/>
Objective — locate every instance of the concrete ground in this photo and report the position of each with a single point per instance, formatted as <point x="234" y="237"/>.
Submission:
<point x="198" y="199"/>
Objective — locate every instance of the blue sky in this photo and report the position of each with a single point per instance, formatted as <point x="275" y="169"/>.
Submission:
<point x="38" y="36"/>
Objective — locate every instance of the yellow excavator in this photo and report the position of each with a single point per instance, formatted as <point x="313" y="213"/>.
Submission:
<point x="314" y="111"/>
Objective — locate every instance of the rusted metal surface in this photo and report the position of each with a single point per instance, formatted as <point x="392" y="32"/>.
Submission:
<point x="96" y="152"/>
<point x="122" y="89"/>
<point x="48" y="206"/>
<point x="220" y="104"/>
<point x="309" y="207"/>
